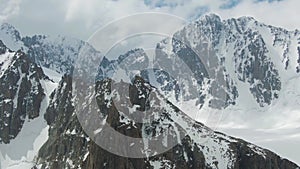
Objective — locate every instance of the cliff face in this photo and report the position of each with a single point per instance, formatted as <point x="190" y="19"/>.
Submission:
<point x="21" y="92"/>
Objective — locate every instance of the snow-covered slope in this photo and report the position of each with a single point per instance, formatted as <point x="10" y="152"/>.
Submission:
<point x="24" y="96"/>
<point x="6" y="59"/>
<point x="22" y="151"/>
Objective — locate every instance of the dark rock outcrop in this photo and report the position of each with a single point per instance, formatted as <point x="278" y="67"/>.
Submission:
<point x="21" y="92"/>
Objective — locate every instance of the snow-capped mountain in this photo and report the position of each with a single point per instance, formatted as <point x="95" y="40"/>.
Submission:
<point x="236" y="55"/>
<point x="248" y="60"/>
<point x="232" y="64"/>
<point x="259" y="55"/>
<point x="54" y="52"/>
<point x="11" y="37"/>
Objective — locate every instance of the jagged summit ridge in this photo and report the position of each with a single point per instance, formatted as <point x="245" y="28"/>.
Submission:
<point x="55" y="52"/>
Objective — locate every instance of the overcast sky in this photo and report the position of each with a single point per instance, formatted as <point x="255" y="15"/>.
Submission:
<point x="80" y="18"/>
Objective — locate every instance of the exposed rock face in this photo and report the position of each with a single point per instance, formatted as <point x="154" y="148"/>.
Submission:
<point x="21" y="92"/>
<point x="253" y="61"/>
<point x="67" y="143"/>
<point x="234" y="43"/>
<point x="69" y="147"/>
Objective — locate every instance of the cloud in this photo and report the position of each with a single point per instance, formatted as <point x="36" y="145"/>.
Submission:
<point x="80" y="18"/>
<point x="95" y="13"/>
<point x="284" y="13"/>
<point x="8" y="9"/>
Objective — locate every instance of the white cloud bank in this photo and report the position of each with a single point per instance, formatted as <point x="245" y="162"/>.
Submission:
<point x="80" y="18"/>
<point x="284" y="13"/>
<point x="8" y="9"/>
<point x="279" y="13"/>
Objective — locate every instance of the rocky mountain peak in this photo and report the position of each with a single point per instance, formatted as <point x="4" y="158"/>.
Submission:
<point x="210" y="17"/>
<point x="11" y="31"/>
<point x="11" y="37"/>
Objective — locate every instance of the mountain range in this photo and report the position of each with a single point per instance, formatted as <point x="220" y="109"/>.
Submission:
<point x="235" y="64"/>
